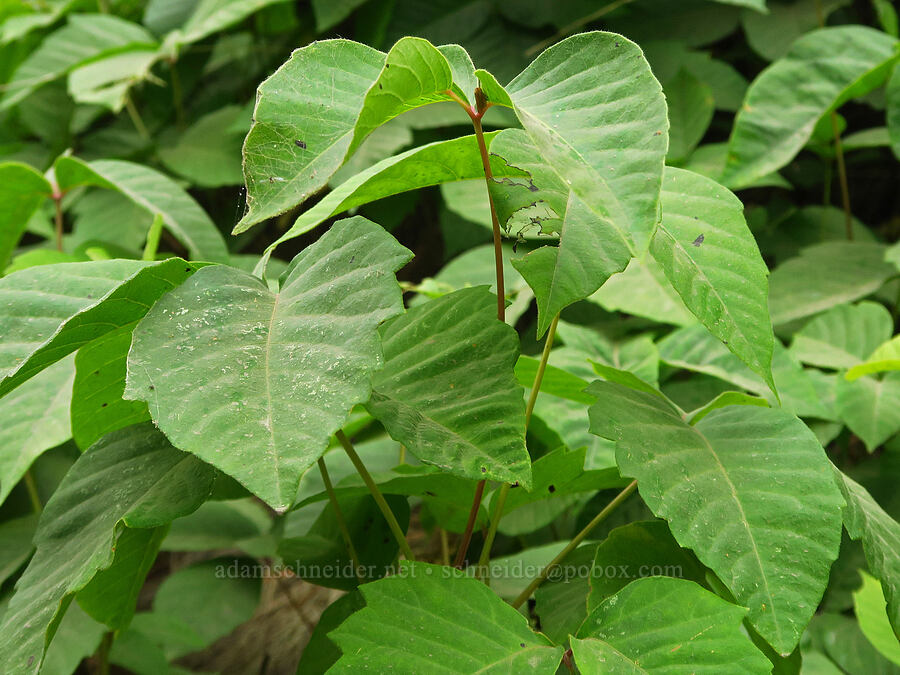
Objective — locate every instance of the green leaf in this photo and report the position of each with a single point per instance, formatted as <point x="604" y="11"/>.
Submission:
<point x="97" y="404"/>
<point x="36" y="418"/>
<point x="556" y="381"/>
<point x="87" y="37"/>
<point x="255" y="382"/>
<point x="710" y="257"/>
<point x="52" y="310"/>
<point x="598" y="117"/>
<point x="778" y="117"/>
<point x="770" y="534"/>
<point x="808" y="284"/>
<point x="22" y="191"/>
<point x="208" y="152"/>
<point x="329" y="13"/>
<point x="111" y="596"/>
<point x="634" y="551"/>
<point x="298" y="138"/>
<point x="880" y="535"/>
<point x="154" y="191"/>
<point x="448" y="391"/>
<point x="693" y="348"/>
<point x="106" y="81"/>
<point x="709" y="160"/>
<point x="691" y="106"/>
<point x="15" y="544"/>
<point x="724" y="399"/>
<point x="212" y="16"/>
<point x="132" y="478"/>
<point x="661" y="625"/>
<point x="843" y="336"/>
<point x="869" y="605"/>
<point x="885" y="357"/>
<point x="643" y="290"/>
<point x="560" y="602"/>
<point x="434" y="619"/>
<point x="870" y="407"/>
<point x="772" y="34"/>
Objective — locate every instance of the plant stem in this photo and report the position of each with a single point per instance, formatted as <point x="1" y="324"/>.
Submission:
<point x="153" y="236"/>
<point x="103" y="653"/>
<point x="572" y="545"/>
<point x="485" y="557"/>
<point x="475" y="113"/>
<point x="445" y="547"/>
<point x="58" y="218"/>
<point x="33" y="493"/>
<point x="339" y="518"/>
<point x="842" y="176"/>
<point x="567" y="30"/>
<point x="389" y="516"/>
<point x="136" y="118"/>
<point x="177" y="95"/>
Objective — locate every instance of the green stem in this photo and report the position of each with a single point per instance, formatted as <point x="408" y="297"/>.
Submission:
<point x="136" y="118"/>
<point x="33" y="493"/>
<point x="58" y="219"/>
<point x="103" y="653"/>
<point x="389" y="516"/>
<point x="445" y="547"/>
<point x="485" y="557"/>
<point x="475" y="113"/>
<point x="177" y="95"/>
<point x="339" y="518"/>
<point x="153" y="236"/>
<point x="572" y="545"/>
<point x="842" y="176"/>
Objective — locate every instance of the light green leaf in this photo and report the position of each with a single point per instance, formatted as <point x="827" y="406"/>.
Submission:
<point x="643" y="290"/>
<point x="22" y="191"/>
<point x="710" y="257"/>
<point x="36" y="418"/>
<point x="556" y="381"/>
<point x="663" y="625"/>
<point x="885" y="357"/>
<point x="157" y="193"/>
<point x="212" y="16"/>
<point x="880" y="535"/>
<point x="843" y="336"/>
<point x="255" y="382"/>
<point x="869" y="604"/>
<point x="808" y="284"/>
<point x="207" y="153"/>
<point x="724" y="399"/>
<point x="693" y="348"/>
<point x="298" y="138"/>
<point x="85" y="38"/>
<point x="598" y="117"/>
<point x="434" y="619"/>
<point x="447" y="390"/>
<point x="772" y="34"/>
<point x="77" y="637"/>
<point x="749" y="489"/>
<point x="132" y="478"/>
<point x="691" y="105"/>
<point x="106" y="81"/>
<point x="709" y="160"/>
<point x="778" y="117"/>
<point x="330" y="13"/>
<point x="15" y="545"/>
<point x="52" y="310"/>
<point x="870" y="407"/>
<point x="97" y="404"/>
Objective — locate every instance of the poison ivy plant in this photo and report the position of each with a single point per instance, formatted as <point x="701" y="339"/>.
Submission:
<point x="561" y="336"/>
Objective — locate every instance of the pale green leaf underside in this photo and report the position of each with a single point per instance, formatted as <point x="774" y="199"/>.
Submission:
<point x="154" y="191"/>
<point x="749" y="489"/>
<point x="598" y="117"/>
<point x="50" y="311"/>
<point x="778" y="116"/>
<point x="885" y="357"/>
<point x="843" y="336"/>
<point x="710" y="257"/>
<point x="35" y="418"/>
<point x="429" y="619"/>
<point x="880" y="535"/>
<point x="869" y="605"/>
<point x="807" y="284"/>
<point x="256" y="382"/>
<point x="665" y="625"/>
<point x="870" y="407"/>
<point x="448" y="391"/>
<point x="133" y="477"/>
